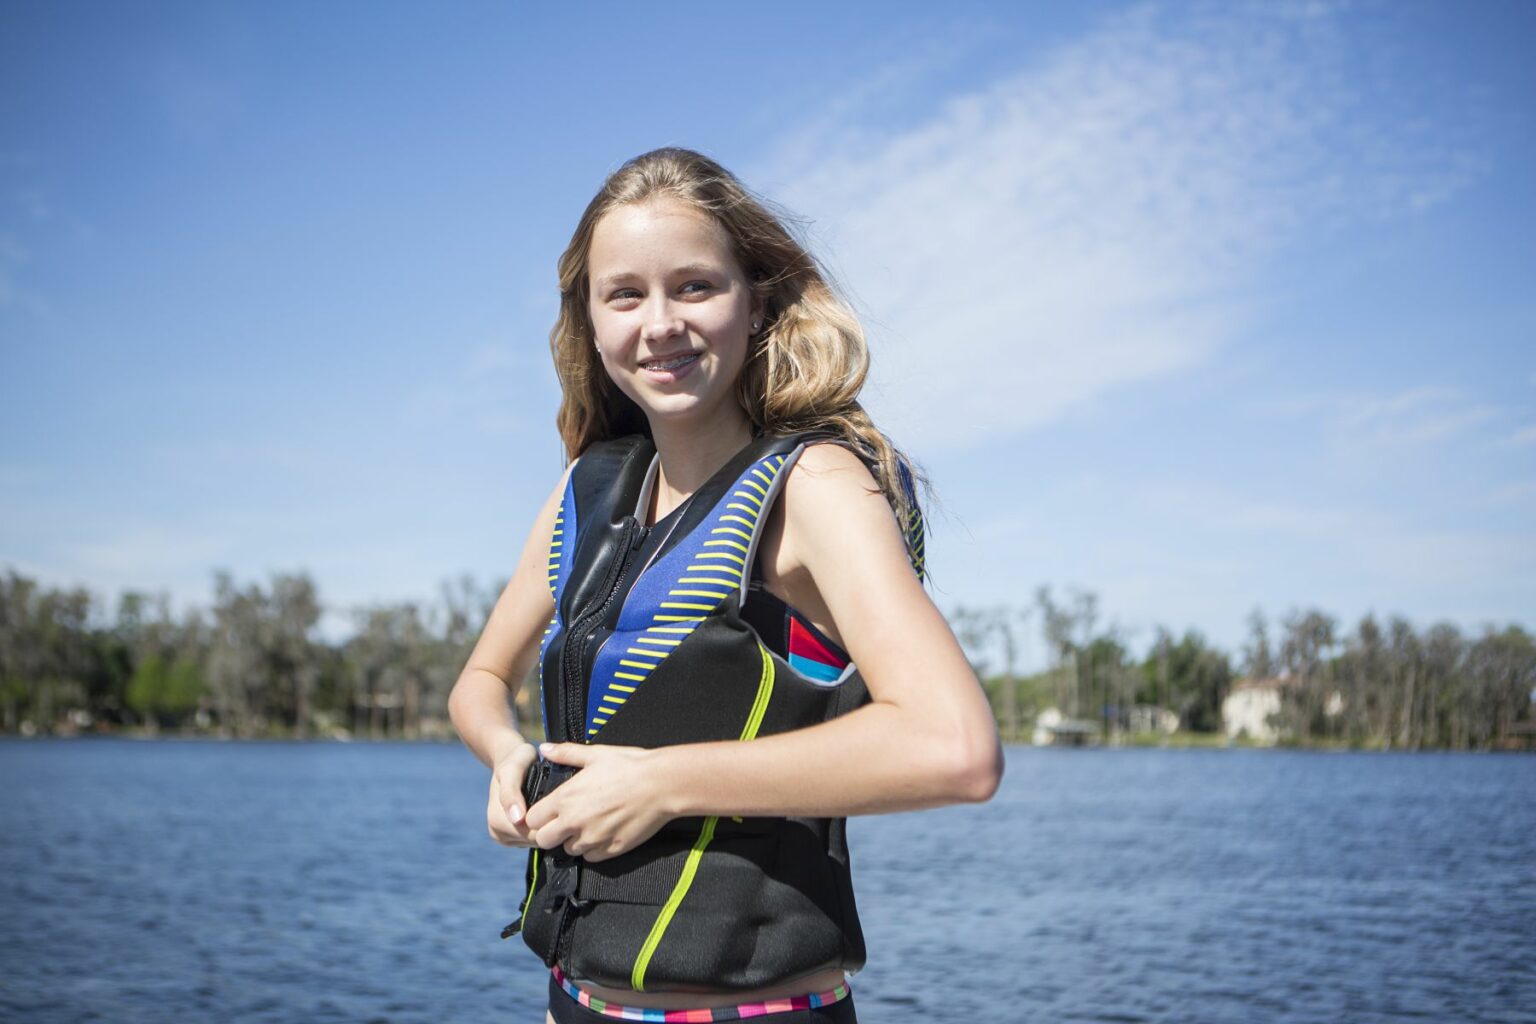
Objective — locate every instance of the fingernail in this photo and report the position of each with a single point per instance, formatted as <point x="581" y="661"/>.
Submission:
<point x="545" y="749"/>
<point x="515" y="814"/>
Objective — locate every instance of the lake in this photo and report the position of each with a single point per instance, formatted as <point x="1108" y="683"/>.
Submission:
<point x="287" y="882"/>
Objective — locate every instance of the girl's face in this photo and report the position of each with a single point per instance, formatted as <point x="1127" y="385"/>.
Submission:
<point x="672" y="310"/>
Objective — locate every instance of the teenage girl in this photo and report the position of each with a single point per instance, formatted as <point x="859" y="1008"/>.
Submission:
<point x="688" y="313"/>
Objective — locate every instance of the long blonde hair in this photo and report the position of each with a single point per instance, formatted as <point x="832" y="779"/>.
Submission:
<point x="804" y="369"/>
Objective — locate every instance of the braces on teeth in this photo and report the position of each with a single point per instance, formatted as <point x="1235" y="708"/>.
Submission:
<point x="672" y="363"/>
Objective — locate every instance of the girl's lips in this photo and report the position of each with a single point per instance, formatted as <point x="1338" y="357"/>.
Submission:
<point x="674" y="373"/>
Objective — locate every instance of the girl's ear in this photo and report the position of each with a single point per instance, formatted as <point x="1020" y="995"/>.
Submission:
<point x="759" y="310"/>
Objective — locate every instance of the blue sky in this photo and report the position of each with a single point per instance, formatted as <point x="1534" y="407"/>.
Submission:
<point x="1199" y="307"/>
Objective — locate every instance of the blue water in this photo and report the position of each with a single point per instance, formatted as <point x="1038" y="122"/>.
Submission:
<point x="286" y="882"/>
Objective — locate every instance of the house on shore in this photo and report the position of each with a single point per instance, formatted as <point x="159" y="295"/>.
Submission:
<point x="1053" y="729"/>
<point x="1247" y="709"/>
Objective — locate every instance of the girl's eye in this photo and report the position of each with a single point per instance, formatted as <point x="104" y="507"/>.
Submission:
<point x="626" y="293"/>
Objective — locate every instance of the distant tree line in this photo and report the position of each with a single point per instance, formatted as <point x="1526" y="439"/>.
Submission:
<point x="1387" y="687"/>
<point x="251" y="665"/>
<point x="1391" y="686"/>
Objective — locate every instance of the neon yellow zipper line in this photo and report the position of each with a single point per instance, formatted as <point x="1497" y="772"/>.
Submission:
<point x="691" y="865"/>
<point x="532" y="885"/>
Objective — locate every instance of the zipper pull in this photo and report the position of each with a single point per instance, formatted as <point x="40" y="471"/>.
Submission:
<point x="512" y="929"/>
<point x="637" y="534"/>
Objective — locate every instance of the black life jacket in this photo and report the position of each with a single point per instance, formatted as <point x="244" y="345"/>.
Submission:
<point x="648" y="646"/>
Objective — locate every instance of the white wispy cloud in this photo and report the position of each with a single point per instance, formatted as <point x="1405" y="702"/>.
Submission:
<point x="1525" y="435"/>
<point x="1417" y="415"/>
<point x="1090" y="221"/>
<point x="1423" y="414"/>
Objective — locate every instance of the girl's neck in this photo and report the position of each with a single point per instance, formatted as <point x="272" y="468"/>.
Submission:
<point x="690" y="455"/>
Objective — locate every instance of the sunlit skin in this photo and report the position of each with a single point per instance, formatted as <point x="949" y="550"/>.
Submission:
<point x="664" y="281"/>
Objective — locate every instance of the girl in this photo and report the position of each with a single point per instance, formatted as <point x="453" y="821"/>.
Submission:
<point x="731" y="536"/>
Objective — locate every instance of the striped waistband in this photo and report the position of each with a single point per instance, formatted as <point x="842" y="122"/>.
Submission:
<point x="734" y="1011"/>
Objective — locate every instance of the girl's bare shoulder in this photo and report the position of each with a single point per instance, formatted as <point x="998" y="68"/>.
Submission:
<point x="835" y="511"/>
<point x="829" y="476"/>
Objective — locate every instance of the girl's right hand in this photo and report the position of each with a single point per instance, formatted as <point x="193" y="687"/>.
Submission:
<point x="505" y="815"/>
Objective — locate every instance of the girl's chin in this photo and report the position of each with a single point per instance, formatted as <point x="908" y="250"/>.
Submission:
<point x="686" y="411"/>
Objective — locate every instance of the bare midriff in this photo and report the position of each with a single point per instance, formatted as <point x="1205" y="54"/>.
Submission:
<point x="821" y="981"/>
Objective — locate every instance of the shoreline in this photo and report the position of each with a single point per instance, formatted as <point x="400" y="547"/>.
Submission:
<point x="1180" y="743"/>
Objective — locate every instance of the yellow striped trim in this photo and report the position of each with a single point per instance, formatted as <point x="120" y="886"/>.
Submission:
<point x="725" y="543"/>
<point x="715" y="568"/>
<point x="555" y="544"/>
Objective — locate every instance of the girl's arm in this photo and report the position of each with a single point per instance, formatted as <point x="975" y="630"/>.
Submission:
<point x="481" y="702"/>
<point x="927" y="738"/>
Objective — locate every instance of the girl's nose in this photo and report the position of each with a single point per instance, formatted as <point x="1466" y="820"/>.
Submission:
<point x="660" y="322"/>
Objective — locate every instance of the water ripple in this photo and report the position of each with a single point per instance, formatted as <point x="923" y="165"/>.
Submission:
<point x="286" y="881"/>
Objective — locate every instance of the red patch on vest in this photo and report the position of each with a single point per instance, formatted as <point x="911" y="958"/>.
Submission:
<point x="804" y="643"/>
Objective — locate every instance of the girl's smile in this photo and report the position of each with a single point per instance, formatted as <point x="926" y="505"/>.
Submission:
<point x="671" y="368"/>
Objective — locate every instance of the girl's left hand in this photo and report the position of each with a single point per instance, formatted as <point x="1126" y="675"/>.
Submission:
<point x="612" y="805"/>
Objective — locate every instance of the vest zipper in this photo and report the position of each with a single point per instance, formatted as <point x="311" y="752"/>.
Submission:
<point x="631" y="535"/>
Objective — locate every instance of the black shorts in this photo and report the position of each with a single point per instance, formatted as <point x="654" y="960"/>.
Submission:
<point x="568" y="1011"/>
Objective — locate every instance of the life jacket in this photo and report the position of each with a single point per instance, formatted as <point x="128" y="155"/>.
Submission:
<point x="649" y="646"/>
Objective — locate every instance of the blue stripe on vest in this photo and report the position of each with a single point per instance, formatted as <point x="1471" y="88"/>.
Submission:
<point x="812" y="669"/>
<point x="678" y="591"/>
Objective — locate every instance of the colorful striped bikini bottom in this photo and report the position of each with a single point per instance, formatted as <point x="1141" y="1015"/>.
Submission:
<point x="568" y="1003"/>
